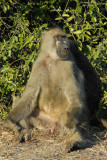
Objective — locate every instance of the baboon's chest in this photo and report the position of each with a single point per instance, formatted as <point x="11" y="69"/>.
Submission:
<point x="53" y="98"/>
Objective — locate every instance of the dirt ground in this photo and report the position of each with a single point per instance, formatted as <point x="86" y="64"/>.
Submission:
<point x="47" y="146"/>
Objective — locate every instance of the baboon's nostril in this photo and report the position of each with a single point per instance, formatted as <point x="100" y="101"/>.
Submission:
<point x="66" y="49"/>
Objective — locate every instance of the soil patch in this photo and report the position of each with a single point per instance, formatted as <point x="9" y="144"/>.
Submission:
<point x="47" y="146"/>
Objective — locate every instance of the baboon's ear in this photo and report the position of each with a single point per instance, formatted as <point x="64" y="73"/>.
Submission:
<point x="43" y="34"/>
<point x="46" y="29"/>
<point x="13" y="95"/>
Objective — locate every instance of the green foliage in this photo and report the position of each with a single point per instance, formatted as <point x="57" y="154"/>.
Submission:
<point x="21" y="24"/>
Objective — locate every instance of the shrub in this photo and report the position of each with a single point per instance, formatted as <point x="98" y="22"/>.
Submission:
<point x="21" y="24"/>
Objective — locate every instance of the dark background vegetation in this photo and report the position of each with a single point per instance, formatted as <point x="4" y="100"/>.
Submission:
<point x="21" y="25"/>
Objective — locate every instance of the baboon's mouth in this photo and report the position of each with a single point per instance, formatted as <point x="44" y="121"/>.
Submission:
<point x="63" y="55"/>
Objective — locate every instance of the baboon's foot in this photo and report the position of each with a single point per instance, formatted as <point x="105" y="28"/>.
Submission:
<point x="25" y="135"/>
<point x="74" y="142"/>
<point x="73" y="146"/>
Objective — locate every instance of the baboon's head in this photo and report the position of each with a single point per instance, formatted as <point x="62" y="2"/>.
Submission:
<point x="55" y="43"/>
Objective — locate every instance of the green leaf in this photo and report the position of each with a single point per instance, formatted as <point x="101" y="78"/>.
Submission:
<point x="96" y="54"/>
<point x="27" y="40"/>
<point x="4" y="9"/>
<point x="78" y="32"/>
<point x="70" y="18"/>
<point x="9" y="53"/>
<point x="88" y="33"/>
<point x="58" y="18"/>
<point x="30" y="44"/>
<point x="65" y="15"/>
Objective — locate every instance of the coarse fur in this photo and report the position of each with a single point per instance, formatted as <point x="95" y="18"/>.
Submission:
<point x="55" y="92"/>
<point x="91" y="82"/>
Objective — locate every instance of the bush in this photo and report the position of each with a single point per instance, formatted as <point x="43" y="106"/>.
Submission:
<point x="21" y="24"/>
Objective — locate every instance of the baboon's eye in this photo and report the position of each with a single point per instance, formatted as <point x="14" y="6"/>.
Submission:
<point x="57" y="36"/>
<point x="63" y="36"/>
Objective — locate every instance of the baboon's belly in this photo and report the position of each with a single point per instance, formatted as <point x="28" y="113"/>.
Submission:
<point x="53" y="103"/>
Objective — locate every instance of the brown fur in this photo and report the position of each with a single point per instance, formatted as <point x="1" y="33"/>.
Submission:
<point x="57" y="90"/>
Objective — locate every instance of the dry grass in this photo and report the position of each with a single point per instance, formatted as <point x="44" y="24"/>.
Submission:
<point x="46" y="146"/>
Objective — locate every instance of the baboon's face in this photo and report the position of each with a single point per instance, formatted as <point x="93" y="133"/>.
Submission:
<point x="62" y="46"/>
<point x="55" y="44"/>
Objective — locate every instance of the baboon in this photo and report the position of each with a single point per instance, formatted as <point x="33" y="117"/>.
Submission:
<point x="59" y="91"/>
